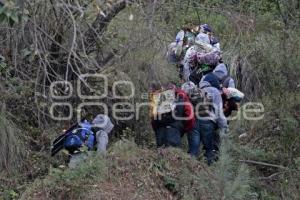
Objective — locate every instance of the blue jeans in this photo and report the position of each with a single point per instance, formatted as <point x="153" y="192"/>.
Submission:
<point x="208" y="131"/>
<point x="168" y="136"/>
<point x="194" y="140"/>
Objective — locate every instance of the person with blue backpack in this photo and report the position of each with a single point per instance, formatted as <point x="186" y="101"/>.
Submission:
<point x="84" y="137"/>
<point x="79" y="142"/>
<point x="81" y="136"/>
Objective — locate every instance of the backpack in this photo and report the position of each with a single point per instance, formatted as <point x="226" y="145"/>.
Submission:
<point x="58" y="143"/>
<point x="224" y="82"/>
<point x="79" y="137"/>
<point x="171" y="56"/>
<point x="73" y="142"/>
<point x="214" y="40"/>
<point x="202" y="102"/>
<point x="162" y="102"/>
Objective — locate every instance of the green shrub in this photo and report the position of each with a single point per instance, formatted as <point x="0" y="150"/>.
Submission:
<point x="73" y="183"/>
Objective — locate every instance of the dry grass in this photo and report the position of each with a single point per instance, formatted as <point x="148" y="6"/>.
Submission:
<point x="131" y="173"/>
<point x="10" y="146"/>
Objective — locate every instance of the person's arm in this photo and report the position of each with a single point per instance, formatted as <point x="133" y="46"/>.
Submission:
<point x="189" y="60"/>
<point x="231" y="83"/>
<point x="102" y="141"/>
<point x="186" y="71"/>
<point x="218" y="106"/>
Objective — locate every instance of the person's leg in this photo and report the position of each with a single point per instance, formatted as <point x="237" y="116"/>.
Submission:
<point x="173" y="137"/>
<point x="194" y="141"/>
<point x="216" y="141"/>
<point x="160" y="135"/>
<point x="102" y="141"/>
<point x="207" y="131"/>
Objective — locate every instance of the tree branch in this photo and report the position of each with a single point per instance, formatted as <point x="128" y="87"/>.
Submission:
<point x="101" y="23"/>
<point x="263" y="163"/>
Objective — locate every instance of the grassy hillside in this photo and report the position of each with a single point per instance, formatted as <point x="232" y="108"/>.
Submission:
<point x="260" y="42"/>
<point x="129" y="172"/>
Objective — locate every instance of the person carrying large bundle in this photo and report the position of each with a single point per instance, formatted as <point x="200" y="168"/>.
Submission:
<point x="184" y="39"/>
<point x="199" y="60"/>
<point x="231" y="100"/>
<point x="171" y="114"/>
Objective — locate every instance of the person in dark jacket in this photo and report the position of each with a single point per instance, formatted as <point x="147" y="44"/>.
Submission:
<point x="212" y="120"/>
<point x="169" y="127"/>
<point x="213" y="80"/>
<point x="222" y="73"/>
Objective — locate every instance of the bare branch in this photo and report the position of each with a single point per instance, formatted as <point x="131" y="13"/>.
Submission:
<point x="101" y="22"/>
<point x="264" y="164"/>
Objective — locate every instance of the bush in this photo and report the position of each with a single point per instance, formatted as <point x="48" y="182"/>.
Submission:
<point x="73" y="183"/>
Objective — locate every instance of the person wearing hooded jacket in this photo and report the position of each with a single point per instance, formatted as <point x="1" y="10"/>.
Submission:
<point x="206" y="29"/>
<point x="222" y="73"/>
<point x="102" y="127"/>
<point x="197" y="55"/>
<point x="229" y="104"/>
<point x="214" y="120"/>
<point x="188" y="62"/>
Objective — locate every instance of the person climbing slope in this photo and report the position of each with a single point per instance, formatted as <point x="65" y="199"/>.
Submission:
<point x="231" y="99"/>
<point x="208" y="106"/>
<point x="102" y="127"/>
<point x="222" y="73"/>
<point x="171" y="114"/>
<point x="79" y="142"/>
<point x="193" y="136"/>
<point x="177" y="50"/>
<point x="230" y="95"/>
<point x="206" y="29"/>
<point x="199" y="59"/>
<point x="82" y="138"/>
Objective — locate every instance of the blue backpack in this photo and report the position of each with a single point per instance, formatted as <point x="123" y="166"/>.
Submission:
<point x="79" y="137"/>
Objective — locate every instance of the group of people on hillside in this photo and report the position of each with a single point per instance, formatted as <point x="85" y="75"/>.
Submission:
<point x="207" y="95"/>
<point x="198" y="107"/>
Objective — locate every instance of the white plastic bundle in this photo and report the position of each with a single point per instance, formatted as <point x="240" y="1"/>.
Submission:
<point x="234" y="93"/>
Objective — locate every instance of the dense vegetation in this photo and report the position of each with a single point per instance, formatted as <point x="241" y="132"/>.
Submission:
<point x="46" y="41"/>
